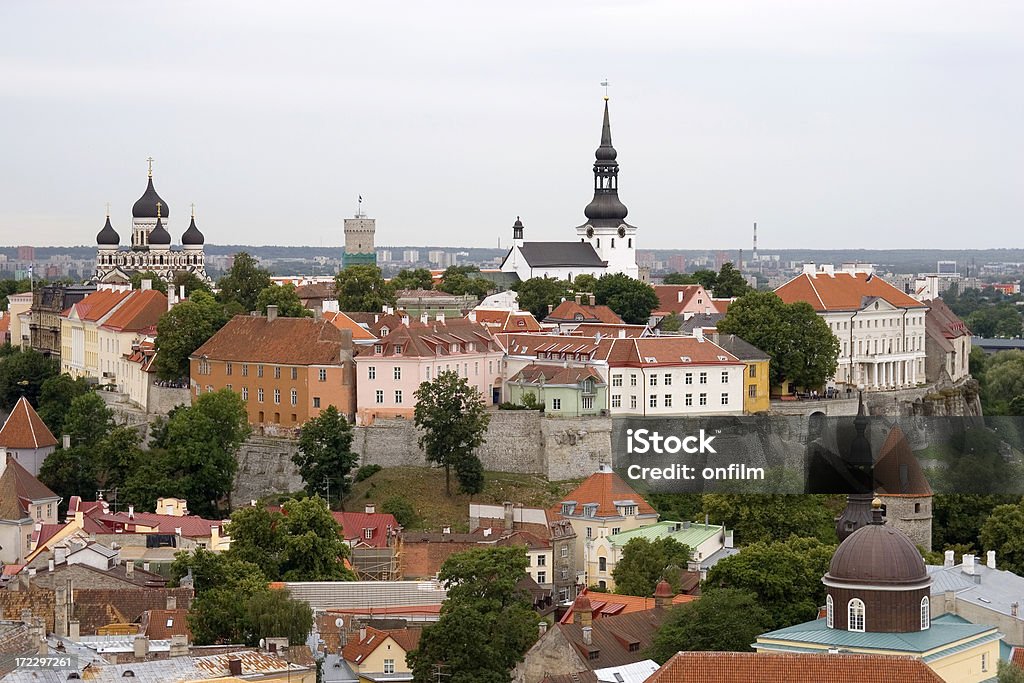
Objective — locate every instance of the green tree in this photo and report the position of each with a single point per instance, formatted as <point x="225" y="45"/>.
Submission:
<point x="275" y="614"/>
<point x="487" y="623"/>
<point x="362" y="288"/>
<point x="69" y="472"/>
<point x="312" y="547"/>
<point x="730" y="282"/>
<point x="802" y="348"/>
<point x="256" y="538"/>
<point x="1003" y="532"/>
<point x="419" y="278"/>
<point x="182" y="330"/>
<point x="286" y="300"/>
<point x="632" y="299"/>
<point x="671" y="323"/>
<point x="998" y="320"/>
<point x="115" y="457"/>
<point x="191" y="282"/>
<point x="156" y="282"/>
<point x="538" y="293"/>
<point x="774" y="517"/>
<point x="88" y="420"/>
<point x="791" y="592"/>
<point x="325" y="458"/>
<point x="458" y="280"/>
<point x="1004" y="380"/>
<point x="723" y="620"/>
<point x="402" y="509"/>
<point x="55" y="398"/>
<point x="678" y="279"/>
<point x="451" y="414"/>
<point x="585" y="283"/>
<point x="8" y="287"/>
<point x="644" y="563"/>
<point x="1009" y="672"/>
<point x="708" y="279"/>
<point x="243" y="283"/>
<point x="23" y="373"/>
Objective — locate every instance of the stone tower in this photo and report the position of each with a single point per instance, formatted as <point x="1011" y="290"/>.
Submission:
<point x="359" y="236"/>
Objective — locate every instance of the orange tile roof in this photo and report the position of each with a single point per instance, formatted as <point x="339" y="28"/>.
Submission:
<point x="161" y="624"/>
<point x="140" y="311"/>
<point x="755" y="667"/>
<point x="356" y="651"/>
<point x="610" y="330"/>
<point x="570" y="311"/>
<point x="1017" y="656"/>
<point x="897" y="470"/>
<point x="285" y="341"/>
<point x="5" y="323"/>
<point x="609" y="604"/>
<point x="98" y="304"/>
<point x="556" y="347"/>
<point x="343" y="322"/>
<point x="26" y="489"/>
<point x="661" y="351"/>
<point x="507" y="321"/>
<point x="435" y="339"/>
<point x="25" y="429"/>
<point x="604" y="488"/>
<point x="676" y="298"/>
<point x="556" y="374"/>
<point x="721" y="305"/>
<point x="843" y="291"/>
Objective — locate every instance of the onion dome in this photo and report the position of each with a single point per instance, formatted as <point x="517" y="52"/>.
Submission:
<point x="877" y="555"/>
<point x="108" y="237"/>
<point x="146" y="206"/>
<point x="159" y="235"/>
<point x="192" y="236"/>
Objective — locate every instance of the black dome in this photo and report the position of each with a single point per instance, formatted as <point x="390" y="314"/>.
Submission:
<point x="159" y="234"/>
<point x="606" y="207"/>
<point x="145" y="207"/>
<point x="108" y="236"/>
<point x="192" y="235"/>
<point x="877" y="554"/>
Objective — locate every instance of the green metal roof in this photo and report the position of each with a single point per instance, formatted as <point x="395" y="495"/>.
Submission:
<point x="692" y="537"/>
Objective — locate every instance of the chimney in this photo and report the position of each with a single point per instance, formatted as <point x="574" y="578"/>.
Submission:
<point x="698" y="333"/>
<point x="179" y="646"/>
<point x="509" y="510"/>
<point x="235" y="666"/>
<point x="424" y="318"/>
<point x="1014" y="609"/>
<point x="487" y="532"/>
<point x="578" y="299"/>
<point x="593" y="300"/>
<point x="663" y="595"/>
<point x="172" y="602"/>
<point x="542" y="628"/>
<point x="583" y="612"/>
<point x="271" y="313"/>
<point x="949" y="560"/>
<point x="146" y="285"/>
<point x="60" y="554"/>
<point x="129" y="569"/>
<point x="181" y="293"/>
<point x="370" y="508"/>
<point x="588" y="638"/>
<point x="440" y="317"/>
<point x="405" y="319"/>
<point x="145" y="566"/>
<point x="990" y="559"/>
<point x="968" y="564"/>
<point x="74" y="631"/>
<point x="131" y="512"/>
<point x="550" y="308"/>
<point x="362" y="633"/>
<point x="66" y="439"/>
<point x="140" y="646"/>
<point x="49" y="565"/>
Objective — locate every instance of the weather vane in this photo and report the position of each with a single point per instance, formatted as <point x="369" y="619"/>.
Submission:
<point x="605" y="84"/>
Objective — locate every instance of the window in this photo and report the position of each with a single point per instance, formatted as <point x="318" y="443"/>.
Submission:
<point x="295" y="397"/>
<point x="616" y="529"/>
<point x="632" y="380"/>
<point x="602" y="564"/>
<point x="277" y="396"/>
<point x="616" y="380"/>
<point x="379" y="348"/>
<point x="926" y="616"/>
<point x="476" y="368"/>
<point x="984" y="661"/>
<point x="616" y="400"/>
<point x="668" y="400"/>
<point x="398" y="349"/>
<point x="829" y="614"/>
<point x="752" y="391"/>
<point x="230" y="387"/>
<point x="542" y="577"/>
<point x="654" y="380"/>
<point x="245" y="369"/>
<point x="389" y="666"/>
<point x="590" y="532"/>
<point x="703" y="378"/>
<point x="594" y="654"/>
<point x="725" y="376"/>
<point x="368" y="533"/>
<point x="653" y="401"/>
<point x="323" y="374"/>
<point x="380" y="396"/>
<point x="259" y="370"/>
<point x="725" y="399"/>
<point x="397" y="372"/>
<point x="371" y="372"/>
<point x="588" y="403"/>
<point x="556" y="404"/>
<point x="259" y="394"/>
<point x="855" y="615"/>
<point x="229" y="368"/>
<point x="398" y="397"/>
<point x="565" y="551"/>
<point x="632" y="401"/>
<point x="277" y="372"/>
<point x="689" y="400"/>
<point x="668" y="380"/>
<point x="753" y="371"/>
<point x="316" y="401"/>
<point x="295" y="373"/>
<point x="245" y="393"/>
<point x="688" y="379"/>
<point x="703" y="399"/>
<point x="542" y="560"/>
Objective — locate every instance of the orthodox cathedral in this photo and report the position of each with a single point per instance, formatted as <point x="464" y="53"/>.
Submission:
<point x="607" y="243"/>
<point x="150" y="248"/>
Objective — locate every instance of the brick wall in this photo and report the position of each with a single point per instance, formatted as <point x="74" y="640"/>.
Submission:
<point x="93" y="607"/>
<point x="423" y="559"/>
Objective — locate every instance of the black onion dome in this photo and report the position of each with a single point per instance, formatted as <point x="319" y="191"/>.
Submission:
<point x="108" y="236"/>
<point x="146" y="207"/>
<point x="159" y="234"/>
<point x="192" y="236"/>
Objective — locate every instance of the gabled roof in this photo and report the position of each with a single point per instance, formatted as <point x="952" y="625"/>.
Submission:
<point x="353" y="525"/>
<point x="97" y="305"/>
<point x="284" y="341"/>
<point x="570" y="311"/>
<point x="617" y="640"/>
<point x="669" y="351"/>
<point x="560" y="255"/>
<point x="740" y="348"/>
<point x="161" y="624"/>
<point x="604" y="488"/>
<point x="140" y="311"/>
<point x="556" y="347"/>
<point x="344" y="322"/>
<point x="24" y="429"/>
<point x="555" y="374"/>
<point x="843" y="291"/>
<point x="433" y="339"/>
<point x="942" y="324"/>
<point x="757" y="667"/>
<point x="357" y="650"/>
<point x="26" y="490"/>
<point x="191" y="526"/>
<point x="501" y="320"/>
<point x="610" y="604"/>
<point x="678" y="298"/>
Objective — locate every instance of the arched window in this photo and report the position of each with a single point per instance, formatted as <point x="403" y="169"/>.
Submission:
<point x="829" y="614"/>
<point x="926" y="613"/>
<point x="602" y="564"/>
<point x="855" y="615"/>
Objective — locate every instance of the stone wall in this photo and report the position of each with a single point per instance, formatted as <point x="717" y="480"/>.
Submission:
<point x="164" y="399"/>
<point x="265" y="467"/>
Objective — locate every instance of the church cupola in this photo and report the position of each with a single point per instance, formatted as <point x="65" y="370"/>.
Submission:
<point x="517" y="233"/>
<point x="192" y="239"/>
<point x="606" y="209"/>
<point x="108" y="237"/>
<point x="146" y="206"/>
<point x="159" y="237"/>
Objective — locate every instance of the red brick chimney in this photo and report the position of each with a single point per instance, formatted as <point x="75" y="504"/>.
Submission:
<point x="582" y="612"/>
<point x="663" y="595"/>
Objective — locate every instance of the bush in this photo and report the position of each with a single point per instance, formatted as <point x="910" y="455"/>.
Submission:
<point x="508" y="405"/>
<point x="402" y="510"/>
<point x="367" y="471"/>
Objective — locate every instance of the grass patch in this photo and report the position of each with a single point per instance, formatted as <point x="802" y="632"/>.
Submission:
<point x="424" y="489"/>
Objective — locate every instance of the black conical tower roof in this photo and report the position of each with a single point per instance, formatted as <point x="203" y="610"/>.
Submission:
<point x="146" y="206"/>
<point x="860" y="448"/>
<point x="606" y="152"/>
<point x="108" y="236"/>
<point x="192" y="236"/>
<point x="159" y="234"/>
<point x="605" y="209"/>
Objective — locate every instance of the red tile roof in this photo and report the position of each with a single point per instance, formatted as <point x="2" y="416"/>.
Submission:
<point x="140" y="311"/>
<point x="98" y="304"/>
<point x="434" y="339"/>
<point x="556" y="374"/>
<point x="285" y="341"/>
<point x="506" y="321"/>
<point x="755" y="667"/>
<point x="356" y="651"/>
<point x="556" y="347"/>
<point x="24" y="429"/>
<point x="161" y="624"/>
<point x="354" y="525"/>
<point x="665" y="351"/>
<point x="610" y="604"/>
<point x="19" y="489"/>
<point x="343" y="322"/>
<point x="610" y="330"/>
<point x="616" y="640"/>
<point x="843" y="291"/>
<point x="570" y="311"/>
<point x="679" y="298"/>
<point x="604" y="488"/>
<point x="1017" y="656"/>
<point x="191" y="526"/>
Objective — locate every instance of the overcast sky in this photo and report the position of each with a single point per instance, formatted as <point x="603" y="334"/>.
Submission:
<point x="869" y="123"/>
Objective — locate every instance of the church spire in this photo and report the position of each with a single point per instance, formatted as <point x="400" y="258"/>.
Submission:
<point x="606" y="210"/>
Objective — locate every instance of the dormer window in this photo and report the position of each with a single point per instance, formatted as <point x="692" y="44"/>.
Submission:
<point x="384" y="331"/>
<point x="568" y="508"/>
<point x="368" y="533"/>
<point x="454" y="348"/>
<point x="578" y="316"/>
<point x="398" y="349"/>
<point x="378" y="348"/>
<point x="590" y="510"/>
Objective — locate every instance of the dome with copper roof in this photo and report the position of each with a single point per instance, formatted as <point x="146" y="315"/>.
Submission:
<point x="877" y="555"/>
